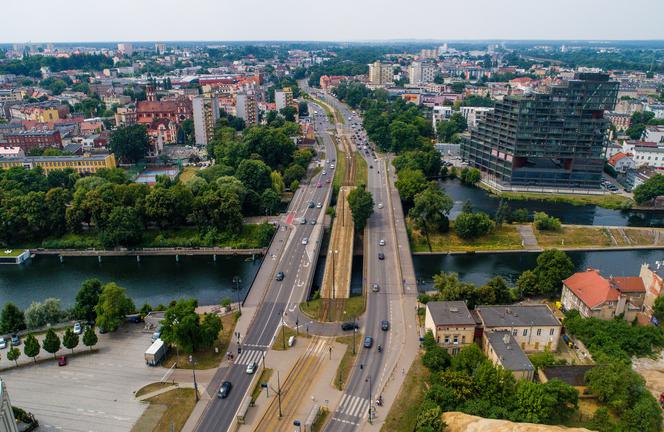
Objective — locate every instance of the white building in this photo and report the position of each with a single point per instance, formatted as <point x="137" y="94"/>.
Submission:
<point x="472" y="114"/>
<point x="420" y="72"/>
<point x="440" y="113"/>
<point x="380" y="73"/>
<point x="658" y="109"/>
<point x="283" y="98"/>
<point x="7" y="420"/>
<point x="245" y="108"/>
<point x="126" y="48"/>
<point x="654" y="134"/>
<point x="649" y="155"/>
<point x="206" y="114"/>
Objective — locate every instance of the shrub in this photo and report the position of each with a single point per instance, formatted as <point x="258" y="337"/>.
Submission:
<point x="544" y="222"/>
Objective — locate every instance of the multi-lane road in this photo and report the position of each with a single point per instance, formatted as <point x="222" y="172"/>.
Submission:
<point x="272" y="298"/>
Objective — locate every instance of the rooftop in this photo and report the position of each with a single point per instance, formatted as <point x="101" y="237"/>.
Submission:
<point x="450" y="312"/>
<point x="517" y="315"/>
<point x="508" y="351"/>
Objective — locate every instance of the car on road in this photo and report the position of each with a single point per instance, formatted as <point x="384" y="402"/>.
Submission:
<point x="77" y="328"/>
<point x="368" y="342"/>
<point x="327" y="181"/>
<point x="251" y="368"/>
<point x="3" y="343"/>
<point x="280" y="276"/>
<point x="331" y="166"/>
<point x="381" y="242"/>
<point x="312" y="204"/>
<point x="380" y="205"/>
<point x="318" y="185"/>
<point x="371" y="166"/>
<point x="347" y="326"/>
<point x="381" y="256"/>
<point x="384" y="325"/>
<point x="319" y="205"/>
<point x="324" y="172"/>
<point x="62" y="361"/>
<point x="313" y="221"/>
<point x="305" y="240"/>
<point x="375" y="287"/>
<point x="225" y="389"/>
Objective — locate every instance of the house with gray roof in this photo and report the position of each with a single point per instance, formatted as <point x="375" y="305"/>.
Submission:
<point x="503" y="350"/>
<point x="451" y="323"/>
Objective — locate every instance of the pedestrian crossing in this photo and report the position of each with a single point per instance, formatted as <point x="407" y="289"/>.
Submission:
<point x="249" y="356"/>
<point x="353" y="406"/>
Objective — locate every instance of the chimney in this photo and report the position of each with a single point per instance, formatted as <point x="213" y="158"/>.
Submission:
<point x="506" y="339"/>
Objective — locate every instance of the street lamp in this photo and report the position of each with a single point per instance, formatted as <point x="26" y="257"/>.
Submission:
<point x="193" y="370"/>
<point x="237" y="281"/>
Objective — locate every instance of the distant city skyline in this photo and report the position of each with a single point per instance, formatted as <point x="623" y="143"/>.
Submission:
<point x="343" y="20"/>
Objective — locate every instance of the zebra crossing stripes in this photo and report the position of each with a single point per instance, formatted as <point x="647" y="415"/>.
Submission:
<point x="353" y="406"/>
<point x="249" y="356"/>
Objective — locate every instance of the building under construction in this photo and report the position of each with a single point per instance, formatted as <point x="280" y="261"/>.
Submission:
<point x="548" y="140"/>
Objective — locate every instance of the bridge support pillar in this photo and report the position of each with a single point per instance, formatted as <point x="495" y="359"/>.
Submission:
<point x="99" y="258"/>
<point x="177" y="258"/>
<point x="138" y="258"/>
<point x="61" y="258"/>
<point x="214" y="257"/>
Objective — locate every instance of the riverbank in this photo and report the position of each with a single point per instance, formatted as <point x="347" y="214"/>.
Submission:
<point x="508" y="238"/>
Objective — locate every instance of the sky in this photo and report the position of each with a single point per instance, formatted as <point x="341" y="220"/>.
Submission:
<point x="328" y="20"/>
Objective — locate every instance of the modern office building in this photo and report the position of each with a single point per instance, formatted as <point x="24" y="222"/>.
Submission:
<point x="553" y="139"/>
<point x="206" y="114"/>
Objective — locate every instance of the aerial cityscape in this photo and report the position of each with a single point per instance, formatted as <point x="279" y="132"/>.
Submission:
<point x="332" y="217"/>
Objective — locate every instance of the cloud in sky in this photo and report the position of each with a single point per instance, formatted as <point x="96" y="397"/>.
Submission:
<point x="339" y="20"/>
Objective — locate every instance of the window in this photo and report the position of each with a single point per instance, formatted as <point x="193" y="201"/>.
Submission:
<point x="514" y="332"/>
<point x="525" y="332"/>
<point x="447" y="339"/>
<point x="551" y="332"/>
<point x="456" y="339"/>
<point x="539" y="332"/>
<point x="463" y="339"/>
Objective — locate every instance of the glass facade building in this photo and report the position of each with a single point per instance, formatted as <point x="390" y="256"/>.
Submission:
<point x="551" y="139"/>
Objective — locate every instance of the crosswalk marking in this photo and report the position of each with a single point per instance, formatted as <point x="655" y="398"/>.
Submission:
<point x="353" y="406"/>
<point x="249" y="356"/>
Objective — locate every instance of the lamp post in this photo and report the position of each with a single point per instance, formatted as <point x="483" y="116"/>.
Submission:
<point x="193" y="370"/>
<point x="237" y="281"/>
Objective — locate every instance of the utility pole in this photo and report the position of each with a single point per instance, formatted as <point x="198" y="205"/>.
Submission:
<point x="279" y="394"/>
<point x="193" y="371"/>
<point x="238" y="281"/>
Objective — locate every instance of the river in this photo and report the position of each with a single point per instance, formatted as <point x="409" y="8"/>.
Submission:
<point x="567" y="213"/>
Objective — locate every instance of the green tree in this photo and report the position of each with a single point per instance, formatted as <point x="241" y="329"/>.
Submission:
<point x="270" y="201"/>
<point x="86" y="300"/>
<point x="293" y="173"/>
<point x="278" y="184"/>
<point x="181" y="326"/>
<point x="218" y="209"/>
<point x="409" y="183"/>
<point x="658" y="309"/>
<point x="70" y="339"/>
<point x="473" y="225"/>
<point x="649" y="189"/>
<point x="51" y="342"/>
<point x="210" y="328"/>
<point x="470" y="175"/>
<point x="361" y="206"/>
<point x="644" y="416"/>
<point x="12" y="319"/>
<point x="544" y="222"/>
<point x="39" y="314"/>
<point x="90" y="337"/>
<point x="526" y="284"/>
<point x="615" y="384"/>
<point x="13" y="354"/>
<point x="430" y="419"/>
<point x="124" y="227"/>
<point x="31" y="347"/>
<point x="254" y="174"/>
<point x="113" y="306"/>
<point x="289" y="113"/>
<point x="448" y="130"/>
<point x="130" y="143"/>
<point x="436" y="359"/>
<point x="553" y="266"/>
<point x="430" y="211"/>
<point x="468" y="359"/>
<point x="601" y="421"/>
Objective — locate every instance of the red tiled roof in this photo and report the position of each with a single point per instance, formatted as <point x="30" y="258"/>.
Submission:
<point x="616" y="157"/>
<point x="629" y="284"/>
<point x="591" y="288"/>
<point x="156" y="106"/>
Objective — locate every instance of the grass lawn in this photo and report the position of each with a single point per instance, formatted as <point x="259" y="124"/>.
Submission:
<point x="341" y="310"/>
<point x="188" y="173"/>
<point x="170" y="408"/>
<point x="285" y="333"/>
<point x="206" y="359"/>
<point x="264" y="379"/>
<point x="348" y="359"/>
<point x="573" y="237"/>
<point x="505" y="237"/>
<point x="152" y="387"/>
<point x="11" y="252"/>
<point x="640" y="237"/>
<point x="610" y="201"/>
<point x="403" y="414"/>
<point x="339" y="170"/>
<point x="361" y="174"/>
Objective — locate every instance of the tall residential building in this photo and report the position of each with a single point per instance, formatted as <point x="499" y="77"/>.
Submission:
<point x="160" y="48"/>
<point x="126" y="48"/>
<point x="246" y="109"/>
<point x="380" y="73"/>
<point x="283" y="98"/>
<point x="7" y="420"/>
<point x="551" y="139"/>
<point x="420" y="72"/>
<point x="206" y="114"/>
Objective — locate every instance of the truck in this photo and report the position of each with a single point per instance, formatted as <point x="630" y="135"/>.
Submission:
<point x="155" y="353"/>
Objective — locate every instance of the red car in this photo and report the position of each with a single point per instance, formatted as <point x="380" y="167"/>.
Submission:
<point x="62" y="361"/>
<point x="318" y="185"/>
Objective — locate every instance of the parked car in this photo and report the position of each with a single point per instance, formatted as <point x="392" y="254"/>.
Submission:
<point x="3" y="343"/>
<point x="16" y="340"/>
<point x="77" y="328"/>
<point x="305" y="240"/>
<point x="225" y="389"/>
<point x="385" y="325"/>
<point x="319" y="205"/>
<point x="381" y="256"/>
<point x="62" y="361"/>
<point x="375" y="287"/>
<point x="280" y="276"/>
<point x="368" y="342"/>
<point x="251" y="368"/>
<point x="381" y="242"/>
<point x="156" y="335"/>
<point x="347" y="326"/>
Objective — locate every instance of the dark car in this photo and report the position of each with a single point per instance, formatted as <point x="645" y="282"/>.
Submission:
<point x="368" y="342"/>
<point x="347" y="326"/>
<point x="280" y="276"/>
<point x="384" y="325"/>
<point x="312" y="204"/>
<point x="225" y="389"/>
<point x="62" y="361"/>
<point x="16" y="341"/>
<point x="381" y="256"/>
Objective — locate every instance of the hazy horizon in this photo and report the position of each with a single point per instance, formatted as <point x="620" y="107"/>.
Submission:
<point x="344" y="21"/>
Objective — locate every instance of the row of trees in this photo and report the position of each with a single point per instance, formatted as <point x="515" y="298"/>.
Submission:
<point x="649" y="189"/>
<point x="52" y="343"/>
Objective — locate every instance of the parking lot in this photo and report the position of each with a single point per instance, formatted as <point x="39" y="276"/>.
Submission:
<point x="93" y="392"/>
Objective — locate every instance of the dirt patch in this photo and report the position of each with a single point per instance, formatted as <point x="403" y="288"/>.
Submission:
<point x="460" y="422"/>
<point x="652" y="370"/>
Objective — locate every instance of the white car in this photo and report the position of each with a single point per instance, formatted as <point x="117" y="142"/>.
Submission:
<point x="381" y="242"/>
<point x="251" y="368"/>
<point x="319" y="205"/>
<point x="3" y="343"/>
<point x="380" y="205"/>
<point x="305" y="240"/>
<point x="324" y="172"/>
<point x="78" y="329"/>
